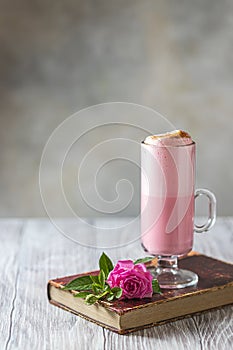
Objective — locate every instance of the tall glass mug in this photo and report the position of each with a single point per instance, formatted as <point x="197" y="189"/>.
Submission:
<point x="167" y="208"/>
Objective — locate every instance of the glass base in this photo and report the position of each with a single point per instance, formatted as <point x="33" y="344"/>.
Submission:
<point x="174" y="278"/>
<point x="170" y="276"/>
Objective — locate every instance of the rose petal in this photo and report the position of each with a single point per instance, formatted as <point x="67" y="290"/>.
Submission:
<point x="124" y="264"/>
<point x="135" y="280"/>
<point x="141" y="267"/>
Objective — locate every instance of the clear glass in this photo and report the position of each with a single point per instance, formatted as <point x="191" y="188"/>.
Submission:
<point x="167" y="210"/>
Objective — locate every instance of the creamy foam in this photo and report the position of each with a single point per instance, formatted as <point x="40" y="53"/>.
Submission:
<point x="173" y="138"/>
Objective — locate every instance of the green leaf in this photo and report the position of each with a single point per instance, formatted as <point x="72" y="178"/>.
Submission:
<point x="82" y="294"/>
<point x="117" y="292"/>
<point x="110" y="297"/>
<point x="94" y="279"/>
<point x="107" y="287"/>
<point x="105" y="264"/>
<point x="144" y="260"/>
<point x="98" y="285"/>
<point x="91" y="299"/>
<point x="80" y="283"/>
<point x="95" y="288"/>
<point x="102" y="294"/>
<point x="156" y="287"/>
<point x="102" y="278"/>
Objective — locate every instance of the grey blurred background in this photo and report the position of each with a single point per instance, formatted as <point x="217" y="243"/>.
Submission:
<point x="58" y="57"/>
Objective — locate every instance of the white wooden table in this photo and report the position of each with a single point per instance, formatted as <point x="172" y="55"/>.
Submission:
<point x="32" y="252"/>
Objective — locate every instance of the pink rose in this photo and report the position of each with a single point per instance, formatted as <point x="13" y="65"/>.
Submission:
<point x="134" y="279"/>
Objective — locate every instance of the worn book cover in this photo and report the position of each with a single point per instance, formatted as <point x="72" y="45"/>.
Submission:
<point x="214" y="289"/>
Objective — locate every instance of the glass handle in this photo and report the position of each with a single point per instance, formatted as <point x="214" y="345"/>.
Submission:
<point x="212" y="210"/>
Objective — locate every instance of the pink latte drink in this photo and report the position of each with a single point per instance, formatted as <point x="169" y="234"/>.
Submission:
<point x="167" y="193"/>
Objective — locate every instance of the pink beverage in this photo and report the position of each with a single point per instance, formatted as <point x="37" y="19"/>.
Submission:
<point x="167" y="193"/>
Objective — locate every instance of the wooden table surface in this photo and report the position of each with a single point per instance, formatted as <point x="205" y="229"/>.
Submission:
<point x="33" y="251"/>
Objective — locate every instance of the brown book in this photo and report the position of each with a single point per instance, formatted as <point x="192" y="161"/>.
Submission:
<point x="214" y="289"/>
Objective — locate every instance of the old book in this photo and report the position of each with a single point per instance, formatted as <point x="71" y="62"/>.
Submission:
<point x="214" y="289"/>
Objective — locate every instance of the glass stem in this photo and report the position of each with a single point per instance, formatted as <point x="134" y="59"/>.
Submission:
<point x="169" y="262"/>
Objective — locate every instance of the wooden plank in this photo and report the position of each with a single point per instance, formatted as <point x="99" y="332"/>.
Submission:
<point x="218" y="241"/>
<point x="129" y="245"/>
<point x="35" y="323"/>
<point x="11" y="237"/>
<point x="177" y="335"/>
<point x="216" y="328"/>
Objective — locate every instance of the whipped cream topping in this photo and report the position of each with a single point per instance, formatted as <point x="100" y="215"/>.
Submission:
<point x="173" y="138"/>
